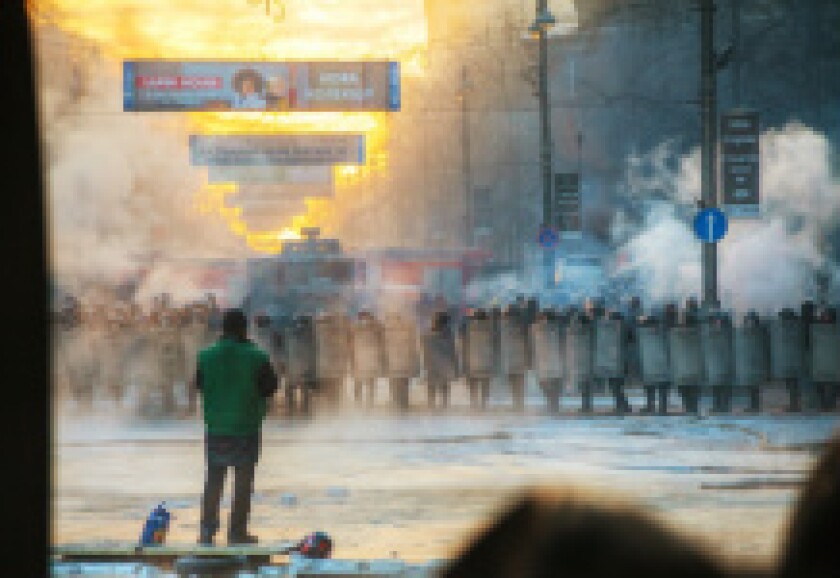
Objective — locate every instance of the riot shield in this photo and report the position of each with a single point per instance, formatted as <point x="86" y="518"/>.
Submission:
<point x="331" y="348"/>
<point x="514" y="345"/>
<point x="716" y="343"/>
<point x="609" y="352"/>
<point x="653" y="354"/>
<point x="368" y="352"/>
<point x="546" y="342"/>
<point x="786" y="348"/>
<point x="579" y="345"/>
<point x="825" y="352"/>
<point x="752" y="355"/>
<point x="685" y="355"/>
<point x="479" y="358"/>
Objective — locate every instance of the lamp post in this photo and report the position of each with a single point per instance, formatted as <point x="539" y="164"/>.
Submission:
<point x="543" y="21"/>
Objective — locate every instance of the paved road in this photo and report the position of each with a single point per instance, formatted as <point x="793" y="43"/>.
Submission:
<point x="415" y="486"/>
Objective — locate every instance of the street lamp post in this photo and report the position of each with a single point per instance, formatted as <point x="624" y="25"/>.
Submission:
<point x="543" y="21"/>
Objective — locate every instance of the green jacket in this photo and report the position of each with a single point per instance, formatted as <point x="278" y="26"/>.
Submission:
<point x="235" y="378"/>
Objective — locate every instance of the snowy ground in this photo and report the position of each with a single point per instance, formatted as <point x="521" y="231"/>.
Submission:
<point x="414" y="487"/>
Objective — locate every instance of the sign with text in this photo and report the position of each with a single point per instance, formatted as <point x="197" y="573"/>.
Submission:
<point x="566" y="205"/>
<point x="739" y="142"/>
<point x="277" y="149"/>
<point x="275" y="174"/>
<point x="165" y="85"/>
<point x="275" y="192"/>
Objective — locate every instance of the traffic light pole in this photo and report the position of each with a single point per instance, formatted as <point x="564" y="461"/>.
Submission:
<point x="708" y="151"/>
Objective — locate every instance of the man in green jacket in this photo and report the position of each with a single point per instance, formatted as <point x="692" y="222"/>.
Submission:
<point x="235" y="379"/>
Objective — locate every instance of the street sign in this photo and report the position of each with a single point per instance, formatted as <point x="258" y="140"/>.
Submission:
<point x="547" y="237"/>
<point x="710" y="225"/>
<point x="285" y="149"/>
<point x="739" y="139"/>
<point x="566" y="205"/>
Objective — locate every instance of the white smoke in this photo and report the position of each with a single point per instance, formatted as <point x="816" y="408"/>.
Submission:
<point x="120" y="188"/>
<point x="765" y="263"/>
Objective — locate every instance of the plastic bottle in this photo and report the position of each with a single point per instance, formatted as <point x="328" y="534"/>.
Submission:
<point x="156" y="526"/>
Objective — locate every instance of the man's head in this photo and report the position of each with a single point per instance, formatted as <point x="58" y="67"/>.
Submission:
<point x="235" y="324"/>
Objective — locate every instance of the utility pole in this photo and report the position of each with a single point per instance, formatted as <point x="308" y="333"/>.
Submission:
<point x="736" y="47"/>
<point x="541" y="24"/>
<point x="465" y="157"/>
<point x="708" y="151"/>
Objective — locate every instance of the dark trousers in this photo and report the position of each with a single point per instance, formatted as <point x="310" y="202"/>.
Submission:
<point x="243" y="486"/>
<point x="616" y="385"/>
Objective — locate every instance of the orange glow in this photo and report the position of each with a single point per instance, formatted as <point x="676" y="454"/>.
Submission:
<point x="240" y="29"/>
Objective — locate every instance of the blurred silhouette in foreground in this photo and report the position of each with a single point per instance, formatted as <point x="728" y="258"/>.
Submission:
<point x="543" y="536"/>
<point x="812" y="548"/>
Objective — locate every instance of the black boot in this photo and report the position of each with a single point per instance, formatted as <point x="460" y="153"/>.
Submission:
<point x="650" y="403"/>
<point x="663" y="399"/>
<point x="795" y="397"/>
<point x="517" y="384"/>
<point x="474" y="394"/>
<point x="755" y="400"/>
<point x="553" y="395"/>
<point x="694" y="395"/>
<point x="822" y="396"/>
<point x="241" y="539"/>
<point x="485" y="393"/>
<point x="206" y="536"/>
<point x="618" y="396"/>
<point x="586" y="398"/>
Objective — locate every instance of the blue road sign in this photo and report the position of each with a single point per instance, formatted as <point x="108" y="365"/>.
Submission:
<point x="547" y="237"/>
<point x="710" y="225"/>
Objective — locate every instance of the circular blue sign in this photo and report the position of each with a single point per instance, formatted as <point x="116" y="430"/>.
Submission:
<point x="710" y="225"/>
<point x="547" y="237"/>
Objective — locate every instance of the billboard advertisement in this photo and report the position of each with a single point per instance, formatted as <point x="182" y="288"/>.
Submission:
<point x="164" y="85"/>
<point x="739" y="139"/>
<point x="277" y="149"/>
<point x="265" y="174"/>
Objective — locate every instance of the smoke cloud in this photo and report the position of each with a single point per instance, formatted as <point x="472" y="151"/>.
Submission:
<point x="121" y="194"/>
<point x="764" y="264"/>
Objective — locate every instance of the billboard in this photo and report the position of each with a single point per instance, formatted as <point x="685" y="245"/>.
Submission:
<point x="264" y="174"/>
<point x="165" y="85"/>
<point x="566" y="205"/>
<point x="739" y="138"/>
<point x="277" y="149"/>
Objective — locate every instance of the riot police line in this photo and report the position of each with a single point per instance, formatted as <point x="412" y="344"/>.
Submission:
<point x="583" y="353"/>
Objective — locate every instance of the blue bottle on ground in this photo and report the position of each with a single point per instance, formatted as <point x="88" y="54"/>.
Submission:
<point x="156" y="526"/>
